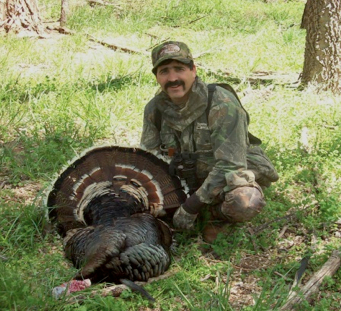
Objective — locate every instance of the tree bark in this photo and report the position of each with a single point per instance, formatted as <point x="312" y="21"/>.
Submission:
<point x="20" y="15"/>
<point x="306" y="14"/>
<point x="2" y="12"/>
<point x="64" y="12"/>
<point x="322" y="59"/>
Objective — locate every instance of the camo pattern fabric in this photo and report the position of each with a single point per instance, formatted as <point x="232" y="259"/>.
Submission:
<point x="240" y="204"/>
<point x="219" y="140"/>
<point x="171" y="50"/>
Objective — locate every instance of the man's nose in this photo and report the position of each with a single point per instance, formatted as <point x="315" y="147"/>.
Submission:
<point x="172" y="76"/>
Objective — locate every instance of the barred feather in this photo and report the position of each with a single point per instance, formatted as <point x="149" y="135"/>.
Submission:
<point x="105" y="204"/>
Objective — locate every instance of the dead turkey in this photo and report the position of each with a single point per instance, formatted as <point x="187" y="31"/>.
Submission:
<point x="106" y="205"/>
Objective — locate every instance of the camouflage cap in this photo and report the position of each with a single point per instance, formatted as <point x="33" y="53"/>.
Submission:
<point x="171" y="50"/>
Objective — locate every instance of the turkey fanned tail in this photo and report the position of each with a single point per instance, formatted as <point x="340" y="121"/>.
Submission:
<point x="103" y="176"/>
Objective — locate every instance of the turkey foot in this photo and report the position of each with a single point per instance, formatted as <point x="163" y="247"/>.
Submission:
<point x="70" y="287"/>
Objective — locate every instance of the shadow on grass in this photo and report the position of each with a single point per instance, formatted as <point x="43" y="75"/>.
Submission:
<point x="24" y="93"/>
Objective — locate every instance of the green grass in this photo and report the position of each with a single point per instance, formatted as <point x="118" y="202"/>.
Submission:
<point x="62" y="94"/>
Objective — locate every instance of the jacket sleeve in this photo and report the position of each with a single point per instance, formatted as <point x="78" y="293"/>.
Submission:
<point x="228" y="124"/>
<point x="150" y="138"/>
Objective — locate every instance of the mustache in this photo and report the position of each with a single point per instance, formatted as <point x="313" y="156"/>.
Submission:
<point x="174" y="83"/>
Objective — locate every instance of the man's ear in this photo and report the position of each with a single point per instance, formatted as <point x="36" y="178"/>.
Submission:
<point x="194" y="70"/>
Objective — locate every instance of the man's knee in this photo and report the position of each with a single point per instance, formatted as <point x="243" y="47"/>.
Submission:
<point x="241" y="204"/>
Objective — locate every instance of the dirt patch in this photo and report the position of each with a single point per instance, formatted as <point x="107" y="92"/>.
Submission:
<point x="26" y="194"/>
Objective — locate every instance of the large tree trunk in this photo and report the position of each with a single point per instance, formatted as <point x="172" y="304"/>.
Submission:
<point x="322" y="59"/>
<point x="20" y="15"/>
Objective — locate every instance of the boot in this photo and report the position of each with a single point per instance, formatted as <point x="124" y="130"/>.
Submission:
<point x="213" y="228"/>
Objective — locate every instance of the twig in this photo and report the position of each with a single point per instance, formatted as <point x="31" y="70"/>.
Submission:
<point x="211" y="260"/>
<point x="284" y="229"/>
<point x="197" y="19"/>
<point x="201" y="54"/>
<point x="242" y="268"/>
<point x="3" y="258"/>
<point x="152" y="36"/>
<point x="281" y="275"/>
<point x="153" y="46"/>
<point x="2" y="184"/>
<point x="105" y="3"/>
<point x="260" y="228"/>
<point x="253" y="239"/>
<point x="205" y="278"/>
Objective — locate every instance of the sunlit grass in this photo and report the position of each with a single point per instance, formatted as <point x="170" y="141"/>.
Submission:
<point x="65" y="93"/>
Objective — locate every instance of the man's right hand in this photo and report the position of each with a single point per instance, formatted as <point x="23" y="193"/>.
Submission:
<point x="183" y="220"/>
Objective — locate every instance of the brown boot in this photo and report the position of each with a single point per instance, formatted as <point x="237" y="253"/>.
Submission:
<point x="212" y="229"/>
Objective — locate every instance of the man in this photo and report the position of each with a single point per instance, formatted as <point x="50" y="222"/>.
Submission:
<point x="210" y="149"/>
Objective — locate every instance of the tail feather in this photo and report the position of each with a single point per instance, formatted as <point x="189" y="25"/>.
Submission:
<point x="115" y="169"/>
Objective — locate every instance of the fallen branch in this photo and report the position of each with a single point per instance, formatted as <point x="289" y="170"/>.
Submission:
<point x="60" y="29"/>
<point x="312" y="286"/>
<point x="116" y="290"/>
<point x="116" y="47"/>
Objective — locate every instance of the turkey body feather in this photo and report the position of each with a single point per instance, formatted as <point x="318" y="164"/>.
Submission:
<point x="106" y="205"/>
<point x="132" y="247"/>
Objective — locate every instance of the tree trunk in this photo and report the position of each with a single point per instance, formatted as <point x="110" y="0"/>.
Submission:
<point x="322" y="59"/>
<point x="64" y="12"/>
<point x="20" y="15"/>
<point x="306" y="14"/>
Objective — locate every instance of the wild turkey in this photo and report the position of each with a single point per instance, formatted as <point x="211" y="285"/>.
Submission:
<point x="106" y="205"/>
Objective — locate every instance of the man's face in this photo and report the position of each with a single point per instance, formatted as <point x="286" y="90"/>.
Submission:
<point x="176" y="79"/>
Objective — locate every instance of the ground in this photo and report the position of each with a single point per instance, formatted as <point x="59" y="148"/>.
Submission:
<point x="244" y="282"/>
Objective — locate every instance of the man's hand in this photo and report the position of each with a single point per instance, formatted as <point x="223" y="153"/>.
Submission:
<point x="183" y="220"/>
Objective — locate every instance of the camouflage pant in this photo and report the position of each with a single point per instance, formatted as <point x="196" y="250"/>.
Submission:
<point x="240" y="205"/>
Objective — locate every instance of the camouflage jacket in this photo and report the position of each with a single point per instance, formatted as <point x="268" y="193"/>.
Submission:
<point x="219" y="140"/>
